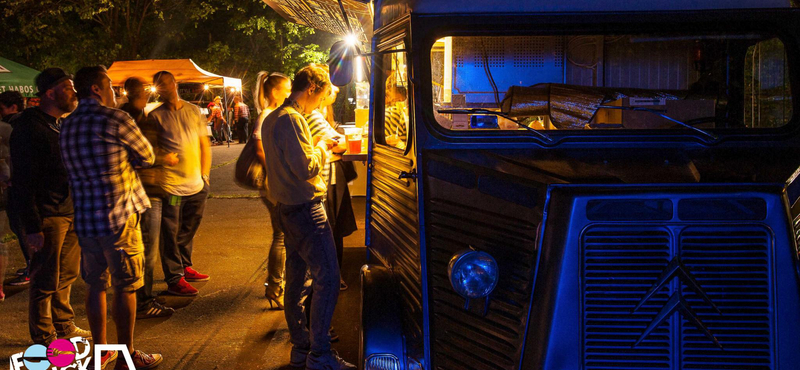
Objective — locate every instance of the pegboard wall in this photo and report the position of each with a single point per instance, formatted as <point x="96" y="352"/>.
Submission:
<point x="512" y="60"/>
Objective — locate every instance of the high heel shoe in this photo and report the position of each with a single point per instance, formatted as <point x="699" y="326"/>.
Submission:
<point x="274" y="294"/>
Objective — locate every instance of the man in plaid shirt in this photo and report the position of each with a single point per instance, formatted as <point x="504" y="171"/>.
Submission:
<point x="241" y="116"/>
<point x="100" y="147"/>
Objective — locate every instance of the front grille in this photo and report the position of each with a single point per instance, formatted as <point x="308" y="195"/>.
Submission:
<point x="796" y="227"/>
<point x="731" y="265"/>
<point x="620" y="265"/>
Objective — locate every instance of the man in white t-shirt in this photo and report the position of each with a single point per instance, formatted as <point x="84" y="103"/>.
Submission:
<point x="185" y="182"/>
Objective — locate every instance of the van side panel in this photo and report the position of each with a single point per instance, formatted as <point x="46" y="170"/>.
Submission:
<point x="394" y="235"/>
<point x="471" y="204"/>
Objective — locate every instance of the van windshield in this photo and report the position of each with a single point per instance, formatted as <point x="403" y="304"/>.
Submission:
<point x="635" y="81"/>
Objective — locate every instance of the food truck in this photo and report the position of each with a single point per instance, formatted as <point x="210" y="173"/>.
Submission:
<point x="581" y="184"/>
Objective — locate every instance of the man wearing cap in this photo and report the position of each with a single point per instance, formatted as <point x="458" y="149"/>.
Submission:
<point x="216" y="117"/>
<point x="43" y="206"/>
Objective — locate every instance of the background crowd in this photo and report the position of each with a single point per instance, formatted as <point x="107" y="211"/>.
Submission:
<point x="106" y="192"/>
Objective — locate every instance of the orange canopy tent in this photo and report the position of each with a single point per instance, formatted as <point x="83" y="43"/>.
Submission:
<point x="184" y="70"/>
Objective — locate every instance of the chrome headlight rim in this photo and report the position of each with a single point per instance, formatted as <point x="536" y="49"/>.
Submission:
<point x="458" y="259"/>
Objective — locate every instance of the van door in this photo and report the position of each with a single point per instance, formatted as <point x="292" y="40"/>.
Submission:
<point x="392" y="214"/>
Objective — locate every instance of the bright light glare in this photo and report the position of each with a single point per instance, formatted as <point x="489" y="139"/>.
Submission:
<point x="205" y="87"/>
<point x="359" y="69"/>
<point x="152" y="89"/>
<point x="351" y="39"/>
<point x="124" y="92"/>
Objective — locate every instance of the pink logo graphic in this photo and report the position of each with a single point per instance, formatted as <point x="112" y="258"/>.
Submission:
<point x="61" y="353"/>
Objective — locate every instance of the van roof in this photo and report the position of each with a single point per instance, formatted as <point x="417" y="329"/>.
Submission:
<point x="537" y="6"/>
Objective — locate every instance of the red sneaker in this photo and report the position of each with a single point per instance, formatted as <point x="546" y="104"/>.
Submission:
<point x="191" y="274"/>
<point x="106" y="359"/>
<point x="182" y="288"/>
<point x="142" y="361"/>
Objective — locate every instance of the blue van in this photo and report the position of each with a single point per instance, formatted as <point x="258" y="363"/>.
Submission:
<point x="583" y="185"/>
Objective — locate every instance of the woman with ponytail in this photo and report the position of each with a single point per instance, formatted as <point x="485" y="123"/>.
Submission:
<point x="270" y="92"/>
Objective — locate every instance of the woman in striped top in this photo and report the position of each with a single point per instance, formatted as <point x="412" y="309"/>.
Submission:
<point x="395" y="123"/>
<point x="271" y="90"/>
<point x="337" y="200"/>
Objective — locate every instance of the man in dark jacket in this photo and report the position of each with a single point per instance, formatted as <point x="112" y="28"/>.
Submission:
<point x="11" y="105"/>
<point x="147" y="306"/>
<point x="43" y="207"/>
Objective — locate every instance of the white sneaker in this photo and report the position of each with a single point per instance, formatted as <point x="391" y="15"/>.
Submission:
<point x="328" y="361"/>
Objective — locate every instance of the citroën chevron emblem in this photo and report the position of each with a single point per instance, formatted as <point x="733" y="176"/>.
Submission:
<point x="676" y="301"/>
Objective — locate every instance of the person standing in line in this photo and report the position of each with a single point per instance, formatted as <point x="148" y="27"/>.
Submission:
<point x="241" y="115"/>
<point x="11" y="104"/>
<point x="217" y="119"/>
<point x="181" y="130"/>
<point x="337" y="199"/>
<point x="43" y="205"/>
<point x="147" y="306"/>
<point x="294" y="160"/>
<point x="273" y="89"/>
<point x="101" y="147"/>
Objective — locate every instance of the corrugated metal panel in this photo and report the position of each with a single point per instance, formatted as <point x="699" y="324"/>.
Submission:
<point x="464" y="339"/>
<point x="506" y="229"/>
<point x="662" y="65"/>
<point x="395" y="232"/>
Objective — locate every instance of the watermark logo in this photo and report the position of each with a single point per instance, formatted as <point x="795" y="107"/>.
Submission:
<point x="73" y="354"/>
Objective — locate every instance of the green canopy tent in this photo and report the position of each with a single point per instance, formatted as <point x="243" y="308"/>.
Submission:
<point x="17" y="77"/>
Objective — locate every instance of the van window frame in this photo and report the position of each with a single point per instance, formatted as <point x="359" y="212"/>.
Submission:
<point x="600" y="24"/>
<point x="387" y="38"/>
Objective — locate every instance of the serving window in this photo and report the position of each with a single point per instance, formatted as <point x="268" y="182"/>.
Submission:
<point x="631" y="81"/>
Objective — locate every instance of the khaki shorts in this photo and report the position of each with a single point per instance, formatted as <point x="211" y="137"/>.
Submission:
<point x="119" y="256"/>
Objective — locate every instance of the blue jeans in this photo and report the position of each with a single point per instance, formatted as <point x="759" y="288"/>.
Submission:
<point x="151" y="235"/>
<point x="310" y="260"/>
<point x="276" y="256"/>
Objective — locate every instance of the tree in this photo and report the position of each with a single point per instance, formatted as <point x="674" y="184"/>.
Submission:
<point x="231" y="37"/>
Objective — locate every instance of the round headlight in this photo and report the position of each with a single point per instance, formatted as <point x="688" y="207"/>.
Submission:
<point x="473" y="274"/>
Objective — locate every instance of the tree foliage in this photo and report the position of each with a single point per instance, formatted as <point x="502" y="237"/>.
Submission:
<point x="230" y="37"/>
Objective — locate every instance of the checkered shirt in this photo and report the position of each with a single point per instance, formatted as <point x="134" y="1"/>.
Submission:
<point x="100" y="147"/>
<point x="241" y="111"/>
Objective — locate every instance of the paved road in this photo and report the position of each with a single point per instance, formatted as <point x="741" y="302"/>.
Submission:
<point x="229" y="325"/>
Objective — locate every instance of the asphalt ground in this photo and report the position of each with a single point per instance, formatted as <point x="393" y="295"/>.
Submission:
<point x="229" y="325"/>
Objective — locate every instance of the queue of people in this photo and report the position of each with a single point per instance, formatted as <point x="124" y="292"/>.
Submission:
<point x="222" y="130"/>
<point x="294" y="162"/>
<point x="104" y="192"/>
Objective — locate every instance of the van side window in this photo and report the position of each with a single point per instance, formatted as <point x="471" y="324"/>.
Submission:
<point x="677" y="80"/>
<point x="395" y="113"/>
<point x="767" y="100"/>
